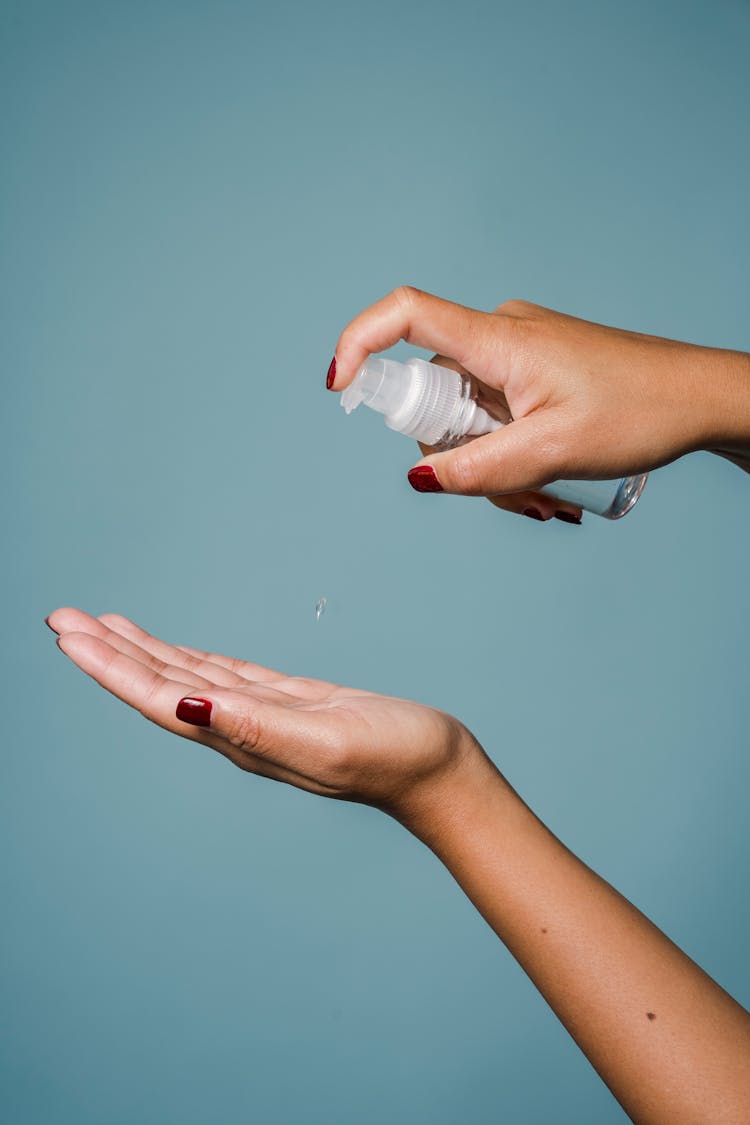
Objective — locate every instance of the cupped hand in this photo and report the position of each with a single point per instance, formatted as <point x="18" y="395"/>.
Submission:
<point x="334" y="741"/>
<point x="587" y="401"/>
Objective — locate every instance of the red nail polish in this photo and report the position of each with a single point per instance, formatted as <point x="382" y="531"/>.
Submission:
<point x="424" y="479"/>
<point x="533" y="513"/>
<point x="194" y="711"/>
<point x="567" y="517"/>
<point x="331" y="374"/>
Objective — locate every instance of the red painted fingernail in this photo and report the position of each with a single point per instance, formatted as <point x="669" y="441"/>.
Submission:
<point x="533" y="513"/>
<point x="331" y="374"/>
<point x="567" y="517"/>
<point x="195" y="711"/>
<point x="424" y="479"/>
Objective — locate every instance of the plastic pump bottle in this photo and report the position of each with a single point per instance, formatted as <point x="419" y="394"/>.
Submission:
<point x="437" y="406"/>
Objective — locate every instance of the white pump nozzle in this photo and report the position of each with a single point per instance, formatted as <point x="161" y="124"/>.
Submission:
<point x="379" y="384"/>
<point x="419" y="399"/>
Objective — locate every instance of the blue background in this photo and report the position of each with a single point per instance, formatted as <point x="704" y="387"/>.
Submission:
<point x="195" y="198"/>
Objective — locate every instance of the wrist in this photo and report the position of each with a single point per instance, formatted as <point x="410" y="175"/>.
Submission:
<point x="442" y="810"/>
<point x="726" y="404"/>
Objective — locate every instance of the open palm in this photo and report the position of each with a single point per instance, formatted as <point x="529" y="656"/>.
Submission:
<point x="330" y="740"/>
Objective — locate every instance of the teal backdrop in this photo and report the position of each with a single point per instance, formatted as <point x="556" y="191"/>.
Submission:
<point x="195" y="198"/>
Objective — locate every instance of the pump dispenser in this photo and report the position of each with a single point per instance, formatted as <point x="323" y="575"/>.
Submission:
<point x="437" y="406"/>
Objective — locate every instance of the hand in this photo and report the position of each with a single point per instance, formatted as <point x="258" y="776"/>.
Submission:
<point x="588" y="402"/>
<point x="334" y="741"/>
<point x="668" y="1041"/>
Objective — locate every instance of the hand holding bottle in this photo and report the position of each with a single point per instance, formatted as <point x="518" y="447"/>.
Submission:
<point x="588" y="401"/>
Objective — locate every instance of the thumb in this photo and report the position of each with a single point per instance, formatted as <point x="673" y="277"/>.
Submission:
<point x="260" y="721"/>
<point x="524" y="455"/>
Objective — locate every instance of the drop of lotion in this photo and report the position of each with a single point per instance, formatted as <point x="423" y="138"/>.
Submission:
<point x="320" y="608"/>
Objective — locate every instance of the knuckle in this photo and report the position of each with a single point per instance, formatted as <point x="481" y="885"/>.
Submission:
<point x="301" y="684"/>
<point x="113" y="620"/>
<point x="243" y="731"/>
<point x="517" y="308"/>
<point x="407" y="296"/>
<point x="150" y="698"/>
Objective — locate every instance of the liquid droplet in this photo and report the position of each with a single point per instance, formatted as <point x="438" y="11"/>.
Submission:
<point x="320" y="608"/>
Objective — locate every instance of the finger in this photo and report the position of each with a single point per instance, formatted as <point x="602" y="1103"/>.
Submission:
<point x="253" y="673"/>
<point x="537" y="506"/>
<point x="298" y="687"/>
<point x="157" y="699"/>
<point x="305" y="742"/>
<point x="224" y="674"/>
<point x="179" y="662"/>
<point x="476" y="340"/>
<point x="148" y="691"/>
<point x="67" y="619"/>
<point x="76" y="621"/>
<point x="523" y="456"/>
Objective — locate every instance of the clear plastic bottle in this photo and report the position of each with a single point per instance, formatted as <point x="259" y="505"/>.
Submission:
<point x="438" y="406"/>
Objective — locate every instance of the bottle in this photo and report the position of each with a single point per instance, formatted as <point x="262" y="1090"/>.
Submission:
<point x="438" y="406"/>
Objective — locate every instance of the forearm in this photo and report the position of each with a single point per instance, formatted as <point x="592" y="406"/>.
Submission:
<point x="667" y="1040"/>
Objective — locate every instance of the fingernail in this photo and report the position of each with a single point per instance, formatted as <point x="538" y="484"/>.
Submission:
<point x="195" y="711"/>
<point x="331" y="374"/>
<point x="424" y="479"/>
<point x="533" y="513"/>
<point x="567" y="517"/>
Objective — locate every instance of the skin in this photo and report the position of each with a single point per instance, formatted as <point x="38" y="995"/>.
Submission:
<point x="669" y="1042"/>
<point x="588" y="401"/>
